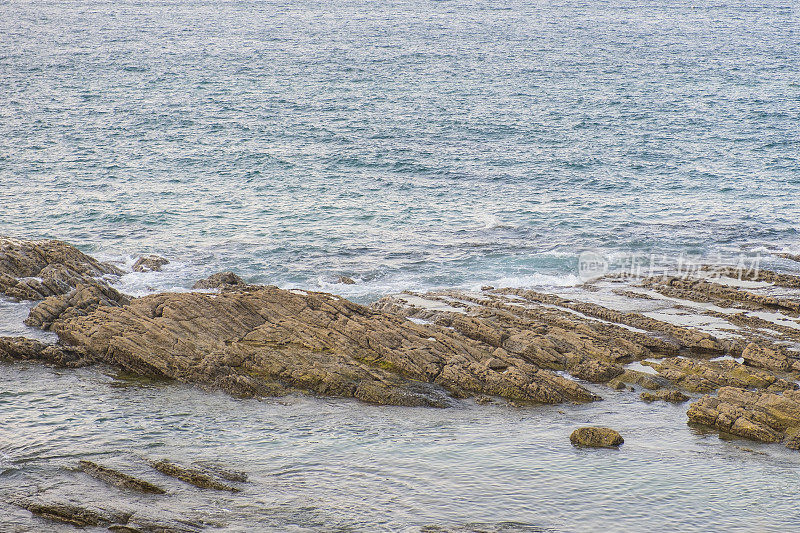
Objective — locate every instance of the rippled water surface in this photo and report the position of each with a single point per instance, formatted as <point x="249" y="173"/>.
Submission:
<point x="341" y="465"/>
<point x="407" y="144"/>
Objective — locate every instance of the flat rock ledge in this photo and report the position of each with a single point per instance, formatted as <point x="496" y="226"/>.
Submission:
<point x="596" y="437"/>
<point x="757" y="415"/>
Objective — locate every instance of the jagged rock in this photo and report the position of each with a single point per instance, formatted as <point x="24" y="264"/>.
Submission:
<point x="24" y="349"/>
<point x="220" y="280"/>
<point x="483" y="400"/>
<point x="119" y="479"/>
<point x="192" y="476"/>
<point x="149" y="263"/>
<point x="768" y="276"/>
<point x="664" y="395"/>
<point x="769" y="358"/>
<point x="33" y="270"/>
<point x="80" y="301"/>
<point x="596" y="437"/>
<point x="705" y="376"/>
<point x="701" y="290"/>
<point x="757" y="415"/>
<point x="592" y="369"/>
<point x="347" y="280"/>
<point x="247" y="340"/>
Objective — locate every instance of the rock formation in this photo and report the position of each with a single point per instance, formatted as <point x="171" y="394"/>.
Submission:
<point x="596" y="437"/>
<point x="220" y="280"/>
<point x="33" y="270"/>
<point x="149" y="263"/>
<point x="758" y="415"/>
<point x="700" y="334"/>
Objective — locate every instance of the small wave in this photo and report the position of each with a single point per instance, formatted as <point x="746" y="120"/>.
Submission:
<point x="532" y="280"/>
<point x="491" y="221"/>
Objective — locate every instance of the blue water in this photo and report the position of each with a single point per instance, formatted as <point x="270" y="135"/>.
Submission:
<point x="406" y="144"/>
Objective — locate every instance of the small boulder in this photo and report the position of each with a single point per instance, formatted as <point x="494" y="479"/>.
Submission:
<point x="149" y="263"/>
<point x="347" y="280"/>
<point x="596" y="437"/>
<point x="220" y="280"/>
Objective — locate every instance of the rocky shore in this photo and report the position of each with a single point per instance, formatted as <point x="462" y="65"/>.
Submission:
<point x="726" y="344"/>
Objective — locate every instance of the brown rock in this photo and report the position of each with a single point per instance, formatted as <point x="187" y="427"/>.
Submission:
<point x="347" y="280"/>
<point x="246" y="340"/>
<point x="32" y="270"/>
<point x="596" y="437"/>
<point x="220" y="280"/>
<point x="768" y="358"/>
<point x="24" y="349"/>
<point x="664" y="395"/>
<point x="80" y="301"/>
<point x="705" y="376"/>
<point x="119" y="479"/>
<point x="192" y="476"/>
<point x="72" y="514"/>
<point x="149" y="263"/>
<point x="757" y="415"/>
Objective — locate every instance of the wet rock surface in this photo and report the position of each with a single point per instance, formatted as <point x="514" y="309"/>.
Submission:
<point x="192" y="476"/>
<point x="119" y="479"/>
<point x="72" y="514"/>
<point x="24" y="349"/>
<point x="596" y="437"/>
<point x="149" y="263"/>
<point x="262" y="340"/>
<point x="220" y="280"/>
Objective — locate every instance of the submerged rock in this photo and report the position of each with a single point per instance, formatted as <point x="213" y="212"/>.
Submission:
<point x="192" y="476"/>
<point x="220" y="280"/>
<point x="149" y="263"/>
<point x="72" y="514"/>
<point x="223" y="471"/>
<point x="596" y="437"/>
<point x="347" y="280"/>
<point x="119" y="479"/>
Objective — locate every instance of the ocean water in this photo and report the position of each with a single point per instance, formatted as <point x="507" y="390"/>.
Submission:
<point x="409" y="145"/>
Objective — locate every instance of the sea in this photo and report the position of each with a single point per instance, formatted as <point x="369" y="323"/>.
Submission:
<point x="408" y="145"/>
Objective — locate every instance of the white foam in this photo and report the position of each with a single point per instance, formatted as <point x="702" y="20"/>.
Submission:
<point x="530" y="281"/>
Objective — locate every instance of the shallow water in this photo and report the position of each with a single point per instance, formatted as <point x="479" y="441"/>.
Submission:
<point x="341" y="465"/>
<point x="407" y="144"/>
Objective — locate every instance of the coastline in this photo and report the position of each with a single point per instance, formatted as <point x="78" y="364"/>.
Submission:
<point x="702" y="344"/>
